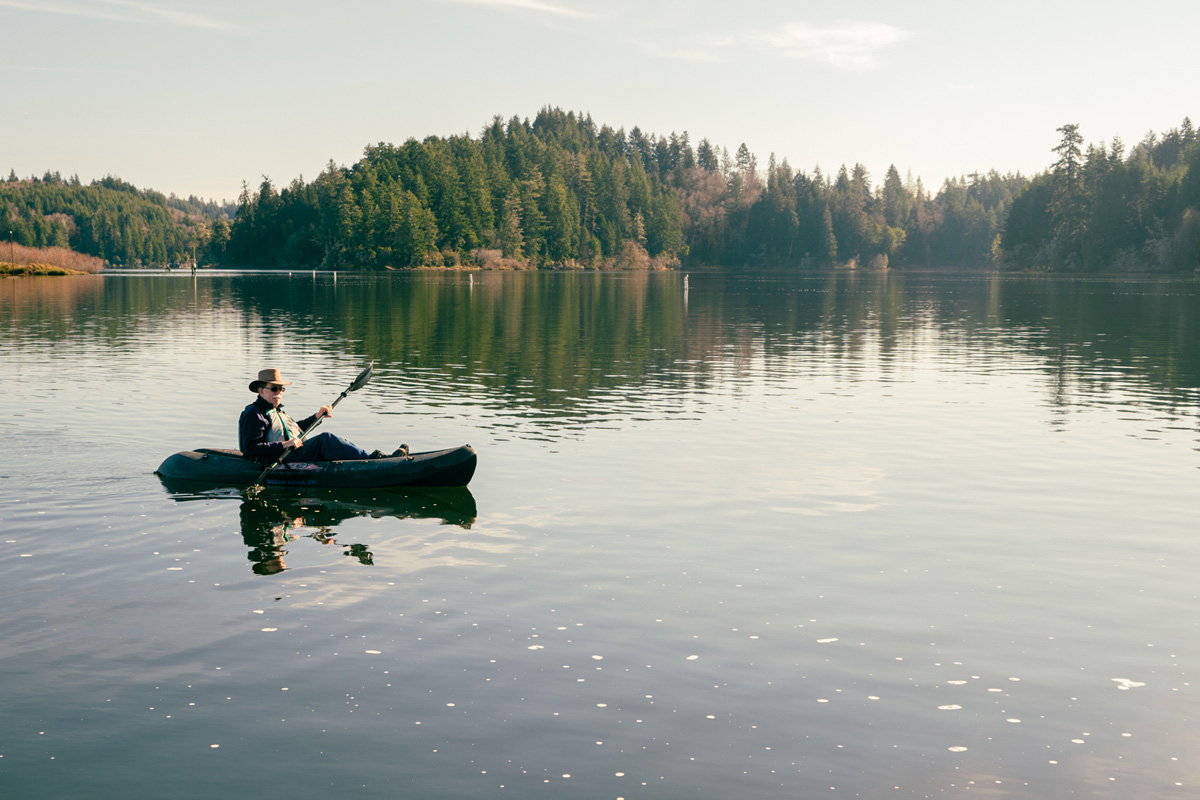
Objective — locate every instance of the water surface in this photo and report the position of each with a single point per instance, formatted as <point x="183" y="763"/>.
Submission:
<point x="777" y="536"/>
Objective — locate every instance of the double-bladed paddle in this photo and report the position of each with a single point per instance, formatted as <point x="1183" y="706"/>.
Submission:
<point x="363" y="378"/>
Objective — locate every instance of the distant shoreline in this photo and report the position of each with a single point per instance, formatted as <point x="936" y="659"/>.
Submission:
<point x="694" y="269"/>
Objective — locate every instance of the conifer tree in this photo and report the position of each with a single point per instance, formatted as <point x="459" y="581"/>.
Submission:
<point x="509" y="236"/>
<point x="1068" y="201"/>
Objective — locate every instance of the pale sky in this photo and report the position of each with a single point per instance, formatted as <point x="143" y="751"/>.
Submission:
<point x="195" y="97"/>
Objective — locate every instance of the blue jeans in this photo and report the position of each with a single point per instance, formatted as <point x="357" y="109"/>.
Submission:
<point x="328" y="447"/>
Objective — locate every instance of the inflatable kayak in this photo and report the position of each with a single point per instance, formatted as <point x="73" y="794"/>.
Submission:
<point x="453" y="467"/>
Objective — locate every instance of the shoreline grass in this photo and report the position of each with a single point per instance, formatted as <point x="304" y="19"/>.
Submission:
<point x="17" y="259"/>
<point x="15" y="270"/>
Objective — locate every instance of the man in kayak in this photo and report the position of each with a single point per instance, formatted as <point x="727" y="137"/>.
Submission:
<point x="265" y="430"/>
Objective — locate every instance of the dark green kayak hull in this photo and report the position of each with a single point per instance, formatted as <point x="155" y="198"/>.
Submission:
<point x="453" y="467"/>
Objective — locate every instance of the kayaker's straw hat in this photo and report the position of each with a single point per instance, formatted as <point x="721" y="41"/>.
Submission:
<point x="266" y="376"/>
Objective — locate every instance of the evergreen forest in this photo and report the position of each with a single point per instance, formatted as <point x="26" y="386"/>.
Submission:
<point x="562" y="192"/>
<point x="1102" y="209"/>
<point x="112" y="220"/>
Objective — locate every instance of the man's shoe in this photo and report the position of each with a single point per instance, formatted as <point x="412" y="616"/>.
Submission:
<point x="401" y="452"/>
<point x="377" y="454"/>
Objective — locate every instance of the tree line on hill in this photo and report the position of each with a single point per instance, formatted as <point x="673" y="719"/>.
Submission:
<point x="112" y="220"/>
<point x="561" y="191"/>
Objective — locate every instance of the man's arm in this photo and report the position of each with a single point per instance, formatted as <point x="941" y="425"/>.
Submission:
<point x="308" y="422"/>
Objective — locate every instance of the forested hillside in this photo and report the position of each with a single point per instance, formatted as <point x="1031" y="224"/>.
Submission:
<point x="555" y="192"/>
<point x="112" y="220"/>
<point x="563" y="192"/>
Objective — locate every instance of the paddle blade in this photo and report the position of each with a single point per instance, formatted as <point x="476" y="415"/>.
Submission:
<point x="363" y="378"/>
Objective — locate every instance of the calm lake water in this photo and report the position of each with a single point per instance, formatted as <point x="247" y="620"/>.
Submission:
<point x="776" y="537"/>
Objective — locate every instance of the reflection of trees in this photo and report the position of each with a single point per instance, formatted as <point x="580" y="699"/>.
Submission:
<point x="47" y="307"/>
<point x="110" y="309"/>
<point x="554" y="342"/>
<point x="1093" y="336"/>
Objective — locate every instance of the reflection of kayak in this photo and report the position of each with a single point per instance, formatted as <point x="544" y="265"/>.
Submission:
<point x="327" y="508"/>
<point x="453" y="467"/>
<point x="271" y="521"/>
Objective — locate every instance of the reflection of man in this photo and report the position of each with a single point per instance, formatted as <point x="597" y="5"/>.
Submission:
<point x="270" y="522"/>
<point x="265" y="431"/>
<point x="265" y="532"/>
<point x="267" y="527"/>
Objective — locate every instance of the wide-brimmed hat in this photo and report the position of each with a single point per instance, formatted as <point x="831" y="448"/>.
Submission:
<point x="266" y="376"/>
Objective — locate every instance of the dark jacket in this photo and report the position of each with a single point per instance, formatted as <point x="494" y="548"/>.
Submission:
<point x="254" y="427"/>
